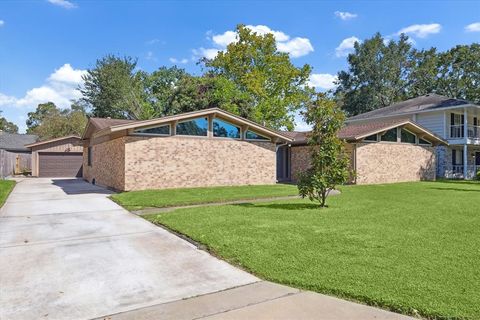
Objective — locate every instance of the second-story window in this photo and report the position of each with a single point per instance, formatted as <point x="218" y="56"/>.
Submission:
<point x="456" y="125"/>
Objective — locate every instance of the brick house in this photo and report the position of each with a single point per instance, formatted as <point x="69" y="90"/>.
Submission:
<point x="210" y="147"/>
<point x="380" y="151"/>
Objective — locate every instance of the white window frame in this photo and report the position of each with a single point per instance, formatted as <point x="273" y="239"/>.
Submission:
<point x="239" y="128"/>
<point x="261" y="140"/>
<point x="154" y="134"/>
<point x="416" y="137"/>
<point x="192" y="135"/>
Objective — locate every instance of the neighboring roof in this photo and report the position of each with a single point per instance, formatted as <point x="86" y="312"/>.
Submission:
<point x="51" y="140"/>
<point x="358" y="130"/>
<point x="107" y="126"/>
<point x="299" y="137"/>
<point x="419" y="104"/>
<point x="16" y="142"/>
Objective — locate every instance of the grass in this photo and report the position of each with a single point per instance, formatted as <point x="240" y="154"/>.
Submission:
<point x="413" y="248"/>
<point x="136" y="200"/>
<point x="6" y="186"/>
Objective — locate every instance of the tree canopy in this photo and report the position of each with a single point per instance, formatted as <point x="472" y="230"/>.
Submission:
<point x="273" y="88"/>
<point x="48" y="121"/>
<point x="7" y="126"/>
<point x="382" y="72"/>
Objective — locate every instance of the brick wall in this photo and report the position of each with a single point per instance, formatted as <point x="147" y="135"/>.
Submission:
<point x="176" y="162"/>
<point x="108" y="163"/>
<point x="300" y="160"/>
<point x="394" y="162"/>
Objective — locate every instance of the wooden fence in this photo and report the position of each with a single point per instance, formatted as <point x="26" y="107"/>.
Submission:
<point x="14" y="163"/>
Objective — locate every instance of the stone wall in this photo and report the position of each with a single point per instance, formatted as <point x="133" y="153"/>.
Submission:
<point x="176" y="162"/>
<point x="108" y="164"/>
<point x="394" y="162"/>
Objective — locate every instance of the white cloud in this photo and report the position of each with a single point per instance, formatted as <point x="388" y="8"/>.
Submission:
<point x="296" y="47"/>
<point x="60" y="88"/>
<point x="63" y="3"/>
<point x="421" y="30"/>
<point x="207" y="53"/>
<point x="153" y="41"/>
<point x="473" y="27"/>
<point x="2" y="23"/>
<point x="181" y="61"/>
<point x="324" y="81"/>
<point x="346" y="46"/>
<point x="345" y="15"/>
<point x="67" y="74"/>
<point x="224" y="39"/>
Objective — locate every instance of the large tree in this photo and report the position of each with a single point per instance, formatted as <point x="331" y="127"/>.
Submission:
<point x="377" y="75"/>
<point x="113" y="88"/>
<point x="49" y="122"/>
<point x="383" y="72"/>
<point x="265" y="77"/>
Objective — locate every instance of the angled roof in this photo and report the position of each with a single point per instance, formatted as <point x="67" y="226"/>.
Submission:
<point x="99" y="126"/>
<point x="419" y="104"/>
<point x="38" y="143"/>
<point x="16" y="142"/>
<point x="358" y="130"/>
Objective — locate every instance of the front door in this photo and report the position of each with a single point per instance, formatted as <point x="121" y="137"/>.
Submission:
<point x="477" y="158"/>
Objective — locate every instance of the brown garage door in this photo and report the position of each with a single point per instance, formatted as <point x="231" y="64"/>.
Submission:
<point x="60" y="164"/>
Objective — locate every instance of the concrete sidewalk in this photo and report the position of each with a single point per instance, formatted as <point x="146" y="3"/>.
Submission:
<point x="260" y="300"/>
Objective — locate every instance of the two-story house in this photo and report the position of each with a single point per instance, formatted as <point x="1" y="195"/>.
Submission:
<point x="454" y="120"/>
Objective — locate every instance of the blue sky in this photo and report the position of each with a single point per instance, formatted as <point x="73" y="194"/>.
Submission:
<point x="46" y="45"/>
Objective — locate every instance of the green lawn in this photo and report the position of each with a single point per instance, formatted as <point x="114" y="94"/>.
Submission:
<point x="136" y="200"/>
<point x="6" y="186"/>
<point x="410" y="247"/>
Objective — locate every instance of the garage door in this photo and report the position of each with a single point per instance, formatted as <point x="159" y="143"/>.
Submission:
<point x="60" y="164"/>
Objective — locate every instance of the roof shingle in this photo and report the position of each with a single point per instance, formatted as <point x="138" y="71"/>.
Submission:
<point x="16" y="142"/>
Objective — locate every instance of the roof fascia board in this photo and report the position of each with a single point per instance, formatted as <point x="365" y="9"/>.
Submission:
<point x="415" y="112"/>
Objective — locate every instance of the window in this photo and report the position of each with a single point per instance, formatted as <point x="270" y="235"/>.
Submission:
<point x="390" y="135"/>
<point x="250" y="135"/>
<point x="224" y="129"/>
<point x="89" y="156"/>
<point x="373" y="137"/>
<point x="408" y="137"/>
<point x="162" y="130"/>
<point x="457" y="157"/>
<point x="194" y="127"/>
<point x="424" y="142"/>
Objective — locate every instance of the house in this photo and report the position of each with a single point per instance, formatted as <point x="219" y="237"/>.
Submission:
<point x="380" y="151"/>
<point x="454" y="120"/>
<point x="14" y="156"/>
<point x="209" y="147"/>
<point x="59" y="157"/>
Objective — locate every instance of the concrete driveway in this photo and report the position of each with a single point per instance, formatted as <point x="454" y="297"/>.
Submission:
<point x="68" y="252"/>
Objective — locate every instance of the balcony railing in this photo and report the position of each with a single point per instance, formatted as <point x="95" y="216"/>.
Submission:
<point x="456" y="172"/>
<point x="457" y="132"/>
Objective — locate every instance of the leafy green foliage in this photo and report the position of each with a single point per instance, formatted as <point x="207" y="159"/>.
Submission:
<point x="329" y="163"/>
<point x="415" y="252"/>
<point x="383" y="72"/>
<point x="7" y="126"/>
<point x="114" y="89"/>
<point x="269" y="84"/>
<point x="48" y="121"/>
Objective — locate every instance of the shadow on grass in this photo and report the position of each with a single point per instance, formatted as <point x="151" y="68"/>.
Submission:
<point x="282" y="206"/>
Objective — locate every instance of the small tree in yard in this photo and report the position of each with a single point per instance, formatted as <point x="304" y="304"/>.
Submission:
<point x="329" y="163"/>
